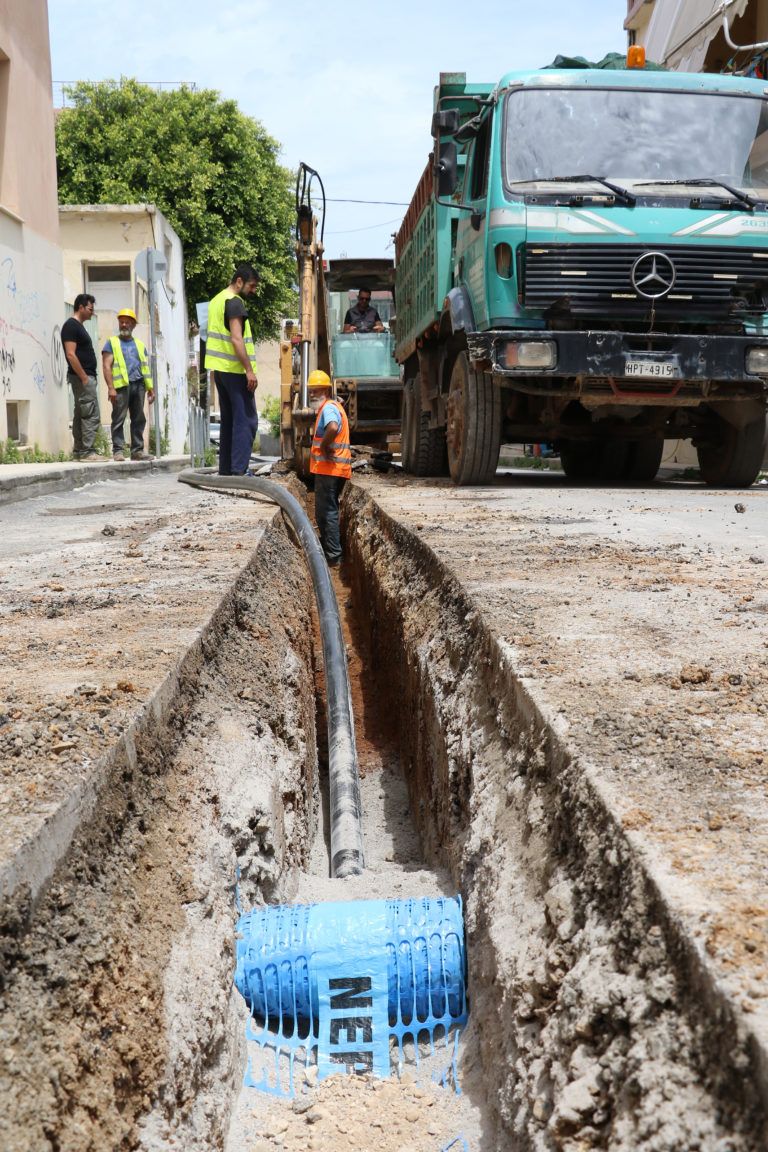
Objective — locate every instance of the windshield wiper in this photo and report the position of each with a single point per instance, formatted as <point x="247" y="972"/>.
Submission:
<point x="620" y="193"/>
<point x="707" y="182"/>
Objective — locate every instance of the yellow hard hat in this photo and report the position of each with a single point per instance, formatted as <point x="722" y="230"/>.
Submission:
<point x="129" y="313"/>
<point x="318" y="379"/>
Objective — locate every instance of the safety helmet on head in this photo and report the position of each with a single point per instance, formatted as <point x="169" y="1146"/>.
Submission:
<point x="318" y="379"/>
<point x="129" y="313"/>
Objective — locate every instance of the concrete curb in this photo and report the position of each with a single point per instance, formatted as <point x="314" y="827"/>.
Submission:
<point x="23" y="481"/>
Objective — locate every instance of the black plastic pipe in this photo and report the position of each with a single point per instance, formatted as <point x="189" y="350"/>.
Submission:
<point x="347" y="857"/>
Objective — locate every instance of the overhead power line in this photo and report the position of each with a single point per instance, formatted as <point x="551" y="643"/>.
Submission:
<point x="367" y="228"/>
<point x="394" y="203"/>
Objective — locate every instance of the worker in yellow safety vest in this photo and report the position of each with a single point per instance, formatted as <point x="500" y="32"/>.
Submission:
<point x="230" y="355"/>
<point x="129" y="380"/>
<point x="330" y="461"/>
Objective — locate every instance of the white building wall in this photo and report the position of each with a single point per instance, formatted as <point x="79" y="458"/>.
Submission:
<point x="33" y="398"/>
<point x="679" y="32"/>
<point x="32" y="369"/>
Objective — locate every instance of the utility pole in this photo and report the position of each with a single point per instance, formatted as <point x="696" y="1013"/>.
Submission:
<point x="150" y="265"/>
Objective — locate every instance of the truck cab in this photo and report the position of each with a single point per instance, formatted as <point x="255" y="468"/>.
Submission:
<point x="596" y="254"/>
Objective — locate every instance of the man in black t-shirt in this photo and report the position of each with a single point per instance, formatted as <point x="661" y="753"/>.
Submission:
<point x="361" y="317"/>
<point x="82" y="379"/>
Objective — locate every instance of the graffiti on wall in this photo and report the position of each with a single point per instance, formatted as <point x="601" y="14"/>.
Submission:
<point x="7" y="358"/>
<point x="38" y="376"/>
<point x="58" y="362"/>
<point x="26" y="304"/>
<point x="21" y="319"/>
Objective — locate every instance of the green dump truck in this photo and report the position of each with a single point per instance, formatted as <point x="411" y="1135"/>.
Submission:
<point x="585" y="262"/>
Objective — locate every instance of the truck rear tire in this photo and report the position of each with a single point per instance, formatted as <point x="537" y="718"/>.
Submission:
<point x="732" y="457"/>
<point x="473" y="433"/>
<point x="426" y="446"/>
<point x="580" y="459"/>
<point x="408" y="428"/>
<point x="613" y="461"/>
<point x="643" y="460"/>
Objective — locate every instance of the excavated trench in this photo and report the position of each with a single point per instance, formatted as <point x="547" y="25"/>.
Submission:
<point x="594" y="1014"/>
<point x="592" y="1023"/>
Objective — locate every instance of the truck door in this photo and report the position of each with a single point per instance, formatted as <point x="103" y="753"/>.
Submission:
<point x="472" y="229"/>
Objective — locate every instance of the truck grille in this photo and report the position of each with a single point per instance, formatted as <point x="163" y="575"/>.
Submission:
<point x="597" y="278"/>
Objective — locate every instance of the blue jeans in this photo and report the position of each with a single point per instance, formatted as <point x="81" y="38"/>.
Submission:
<point x="239" y="423"/>
<point x="327" y="492"/>
<point x="130" y="399"/>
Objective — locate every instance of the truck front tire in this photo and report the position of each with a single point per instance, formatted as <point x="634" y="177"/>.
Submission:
<point x="732" y="457"/>
<point x="473" y="432"/>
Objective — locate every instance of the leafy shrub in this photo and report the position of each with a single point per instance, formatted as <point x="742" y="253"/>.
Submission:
<point x="271" y="412"/>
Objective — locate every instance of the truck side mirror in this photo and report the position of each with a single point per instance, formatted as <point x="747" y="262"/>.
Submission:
<point x="469" y="129"/>
<point x="445" y="122"/>
<point x="446" y="167"/>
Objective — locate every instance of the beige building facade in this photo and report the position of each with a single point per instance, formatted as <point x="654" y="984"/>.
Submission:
<point x="34" y="403"/>
<point x="701" y="35"/>
<point x="101" y="244"/>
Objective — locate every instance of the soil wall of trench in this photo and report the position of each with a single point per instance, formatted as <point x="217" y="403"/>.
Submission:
<point x="119" y="1025"/>
<point x="598" y="1022"/>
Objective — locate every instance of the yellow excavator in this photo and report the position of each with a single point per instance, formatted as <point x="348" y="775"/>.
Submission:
<point x="366" y="378"/>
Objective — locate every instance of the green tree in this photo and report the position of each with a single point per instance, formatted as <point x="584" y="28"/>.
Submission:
<point x="211" y="170"/>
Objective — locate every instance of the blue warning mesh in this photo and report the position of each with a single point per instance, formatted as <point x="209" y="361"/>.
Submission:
<point x="333" y="983"/>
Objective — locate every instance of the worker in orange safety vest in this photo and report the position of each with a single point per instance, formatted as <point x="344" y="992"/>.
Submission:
<point x="330" y="461"/>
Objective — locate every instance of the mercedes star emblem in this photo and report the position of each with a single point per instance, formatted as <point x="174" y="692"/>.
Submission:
<point x="653" y="275"/>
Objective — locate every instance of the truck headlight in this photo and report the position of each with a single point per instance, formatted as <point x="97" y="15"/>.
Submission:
<point x="757" y="361"/>
<point x="528" y="354"/>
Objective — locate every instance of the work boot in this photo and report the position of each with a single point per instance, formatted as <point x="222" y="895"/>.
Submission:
<point x="141" y="456"/>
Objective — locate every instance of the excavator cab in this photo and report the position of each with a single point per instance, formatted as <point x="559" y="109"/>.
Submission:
<point x="366" y="377"/>
<point x="365" y="373"/>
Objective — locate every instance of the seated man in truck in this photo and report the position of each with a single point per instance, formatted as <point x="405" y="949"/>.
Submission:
<point x="361" y="317"/>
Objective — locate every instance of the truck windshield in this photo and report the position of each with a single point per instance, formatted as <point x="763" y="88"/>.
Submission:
<point x="632" y="134"/>
<point x="339" y="302"/>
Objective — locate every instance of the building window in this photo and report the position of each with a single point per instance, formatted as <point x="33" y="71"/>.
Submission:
<point x="111" y="285"/>
<point x="107" y="273"/>
<point x="17" y="420"/>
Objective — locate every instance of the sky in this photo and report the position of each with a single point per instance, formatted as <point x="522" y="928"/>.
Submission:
<point x="346" y="88"/>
